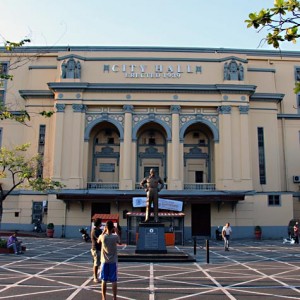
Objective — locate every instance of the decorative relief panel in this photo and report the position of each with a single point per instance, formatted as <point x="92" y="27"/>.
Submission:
<point x="212" y="118"/>
<point x="90" y="117"/>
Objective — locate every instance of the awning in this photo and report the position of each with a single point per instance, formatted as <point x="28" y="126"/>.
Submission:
<point x="106" y="217"/>
<point x="123" y="196"/>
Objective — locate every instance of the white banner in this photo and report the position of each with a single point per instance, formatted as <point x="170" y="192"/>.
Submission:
<point x="162" y="203"/>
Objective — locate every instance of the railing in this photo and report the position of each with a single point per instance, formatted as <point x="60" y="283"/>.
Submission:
<point x="115" y="186"/>
<point x="102" y="186"/>
<point x="138" y="187"/>
<point x="200" y="186"/>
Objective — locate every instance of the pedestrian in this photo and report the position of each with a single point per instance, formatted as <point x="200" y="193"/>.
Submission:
<point x="14" y="243"/>
<point x="109" y="258"/>
<point x="96" y="247"/>
<point x="296" y="233"/>
<point x="226" y="232"/>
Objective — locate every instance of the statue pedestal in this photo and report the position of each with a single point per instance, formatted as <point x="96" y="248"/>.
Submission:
<point x="151" y="239"/>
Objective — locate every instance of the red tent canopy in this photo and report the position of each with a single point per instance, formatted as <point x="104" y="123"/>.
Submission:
<point x="106" y="217"/>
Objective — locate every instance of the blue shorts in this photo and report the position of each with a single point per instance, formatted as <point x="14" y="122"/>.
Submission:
<point x="108" y="272"/>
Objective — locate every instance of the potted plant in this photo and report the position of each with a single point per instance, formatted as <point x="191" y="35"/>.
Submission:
<point x="3" y="246"/>
<point x="257" y="232"/>
<point x="50" y="230"/>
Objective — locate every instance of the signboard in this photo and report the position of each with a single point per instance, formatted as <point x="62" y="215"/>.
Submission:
<point x="152" y="71"/>
<point x="162" y="203"/>
<point x="107" y="168"/>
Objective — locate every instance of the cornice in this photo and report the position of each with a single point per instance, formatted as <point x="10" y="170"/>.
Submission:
<point x="29" y="94"/>
<point x="57" y="49"/>
<point x="169" y="59"/>
<point x="267" y="97"/>
<point x="112" y="87"/>
<point x="289" y="116"/>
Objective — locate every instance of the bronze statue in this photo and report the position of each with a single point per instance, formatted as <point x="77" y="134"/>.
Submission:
<point x="152" y="188"/>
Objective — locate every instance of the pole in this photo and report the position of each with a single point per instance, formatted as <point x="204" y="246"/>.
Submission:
<point x="195" y="245"/>
<point x="207" y="251"/>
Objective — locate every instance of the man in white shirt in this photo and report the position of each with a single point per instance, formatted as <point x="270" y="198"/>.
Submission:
<point x="109" y="258"/>
<point x="226" y="232"/>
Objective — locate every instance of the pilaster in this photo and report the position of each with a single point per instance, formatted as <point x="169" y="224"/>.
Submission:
<point x="175" y="182"/>
<point x="58" y="141"/>
<point x="76" y="179"/>
<point x="126" y="182"/>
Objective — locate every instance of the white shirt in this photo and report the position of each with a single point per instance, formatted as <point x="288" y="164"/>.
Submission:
<point x="227" y="230"/>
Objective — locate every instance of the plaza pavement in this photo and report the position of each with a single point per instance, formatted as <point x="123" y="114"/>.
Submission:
<point x="61" y="269"/>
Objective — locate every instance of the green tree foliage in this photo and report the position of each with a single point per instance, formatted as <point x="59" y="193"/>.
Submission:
<point x="22" y="172"/>
<point x="282" y="21"/>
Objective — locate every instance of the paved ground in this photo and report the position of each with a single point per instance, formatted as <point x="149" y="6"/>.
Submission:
<point x="61" y="269"/>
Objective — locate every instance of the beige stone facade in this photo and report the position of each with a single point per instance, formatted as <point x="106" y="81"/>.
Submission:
<point x="220" y="126"/>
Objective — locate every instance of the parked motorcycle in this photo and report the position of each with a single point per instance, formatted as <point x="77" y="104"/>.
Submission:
<point x="84" y="234"/>
<point x="218" y="234"/>
<point x="37" y="226"/>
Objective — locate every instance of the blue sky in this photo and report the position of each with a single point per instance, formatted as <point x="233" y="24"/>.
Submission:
<point x="179" y="23"/>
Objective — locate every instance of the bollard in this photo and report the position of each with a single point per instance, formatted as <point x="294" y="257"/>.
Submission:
<point x="63" y="231"/>
<point x="195" y="245"/>
<point x="207" y="251"/>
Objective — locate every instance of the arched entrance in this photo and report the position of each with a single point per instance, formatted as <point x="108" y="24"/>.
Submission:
<point x="104" y="153"/>
<point x="151" y="151"/>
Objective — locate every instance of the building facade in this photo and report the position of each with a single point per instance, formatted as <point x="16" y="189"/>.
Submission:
<point x="220" y="126"/>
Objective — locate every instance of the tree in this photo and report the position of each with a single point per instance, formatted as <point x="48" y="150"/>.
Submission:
<point x="22" y="172"/>
<point x="283" y="20"/>
<point x="21" y="116"/>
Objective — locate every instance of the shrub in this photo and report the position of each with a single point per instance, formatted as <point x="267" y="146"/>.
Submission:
<point x="3" y="243"/>
<point x="50" y="226"/>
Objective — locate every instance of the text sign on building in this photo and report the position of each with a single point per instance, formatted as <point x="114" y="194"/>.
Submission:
<point x="162" y="203"/>
<point x="152" y="71"/>
<point x="107" y="168"/>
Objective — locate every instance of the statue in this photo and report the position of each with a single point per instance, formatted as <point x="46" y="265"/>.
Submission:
<point x="64" y="70"/>
<point x="152" y="188"/>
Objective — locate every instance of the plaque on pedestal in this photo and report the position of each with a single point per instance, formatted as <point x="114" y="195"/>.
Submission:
<point x="151" y="239"/>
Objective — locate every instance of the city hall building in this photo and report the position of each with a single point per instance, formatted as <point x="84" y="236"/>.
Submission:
<point x="221" y="127"/>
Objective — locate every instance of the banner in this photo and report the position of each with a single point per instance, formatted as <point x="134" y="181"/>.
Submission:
<point x="162" y="203"/>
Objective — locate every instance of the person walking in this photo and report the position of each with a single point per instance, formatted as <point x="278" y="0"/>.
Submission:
<point x="109" y="239"/>
<point x="296" y="233"/>
<point x="96" y="248"/>
<point x="152" y="188"/>
<point x="226" y="232"/>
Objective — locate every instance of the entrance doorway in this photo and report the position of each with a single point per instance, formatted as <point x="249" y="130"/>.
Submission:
<point x="201" y="219"/>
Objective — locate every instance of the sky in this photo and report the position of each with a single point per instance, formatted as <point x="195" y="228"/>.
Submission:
<point x="160" y="23"/>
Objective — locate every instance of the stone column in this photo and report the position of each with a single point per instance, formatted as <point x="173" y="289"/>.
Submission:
<point x="77" y="145"/>
<point x="175" y="182"/>
<point x="58" y="141"/>
<point x="245" y="148"/>
<point x="126" y="182"/>
<point x="225" y="180"/>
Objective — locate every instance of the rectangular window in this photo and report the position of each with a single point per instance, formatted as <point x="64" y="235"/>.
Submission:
<point x="37" y="211"/>
<point x="41" y="149"/>
<point x="1" y="97"/>
<point x="261" y="155"/>
<point x="274" y="200"/>
<point x="3" y="71"/>
<point x="199" y="176"/>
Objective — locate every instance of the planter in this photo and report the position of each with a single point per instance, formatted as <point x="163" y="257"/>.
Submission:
<point x="50" y="233"/>
<point x="257" y="235"/>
